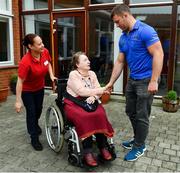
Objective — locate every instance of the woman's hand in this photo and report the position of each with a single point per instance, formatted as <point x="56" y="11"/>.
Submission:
<point x="90" y="100"/>
<point x="53" y="78"/>
<point x="18" y="106"/>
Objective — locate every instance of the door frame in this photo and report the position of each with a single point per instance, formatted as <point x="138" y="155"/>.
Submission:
<point x="56" y="16"/>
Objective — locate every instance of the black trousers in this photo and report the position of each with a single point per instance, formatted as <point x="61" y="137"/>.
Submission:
<point x="87" y="143"/>
<point x="33" y="102"/>
<point x="138" y="108"/>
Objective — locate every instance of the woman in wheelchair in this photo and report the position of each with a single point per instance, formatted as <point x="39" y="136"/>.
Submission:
<point x="83" y="83"/>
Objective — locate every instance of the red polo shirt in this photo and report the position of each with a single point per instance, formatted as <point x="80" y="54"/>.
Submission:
<point x="33" y="71"/>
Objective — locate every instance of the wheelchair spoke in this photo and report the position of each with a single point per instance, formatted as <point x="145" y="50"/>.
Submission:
<point x="54" y="127"/>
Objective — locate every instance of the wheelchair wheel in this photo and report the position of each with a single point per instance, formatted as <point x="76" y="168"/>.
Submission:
<point x="73" y="159"/>
<point x="111" y="149"/>
<point x="54" y="126"/>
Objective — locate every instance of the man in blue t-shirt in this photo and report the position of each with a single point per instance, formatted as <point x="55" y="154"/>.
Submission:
<point x="140" y="47"/>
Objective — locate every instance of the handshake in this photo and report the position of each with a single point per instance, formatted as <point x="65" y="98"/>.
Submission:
<point x="107" y="89"/>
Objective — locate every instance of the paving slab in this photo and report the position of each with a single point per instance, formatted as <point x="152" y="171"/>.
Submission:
<point x="162" y="155"/>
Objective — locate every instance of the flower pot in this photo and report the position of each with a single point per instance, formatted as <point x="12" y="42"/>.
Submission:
<point x="170" y="105"/>
<point x="3" y="94"/>
<point x="105" y="98"/>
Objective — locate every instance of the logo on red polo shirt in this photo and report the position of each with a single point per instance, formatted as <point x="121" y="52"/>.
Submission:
<point x="46" y="63"/>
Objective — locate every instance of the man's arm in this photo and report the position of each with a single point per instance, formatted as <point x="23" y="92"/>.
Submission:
<point x="117" y="69"/>
<point x="157" y="53"/>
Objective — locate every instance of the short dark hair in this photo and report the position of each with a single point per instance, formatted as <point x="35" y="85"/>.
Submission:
<point x="119" y="10"/>
<point x="75" y="59"/>
<point x="29" y="39"/>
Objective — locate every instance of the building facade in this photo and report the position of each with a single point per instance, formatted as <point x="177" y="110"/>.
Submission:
<point x="85" y="25"/>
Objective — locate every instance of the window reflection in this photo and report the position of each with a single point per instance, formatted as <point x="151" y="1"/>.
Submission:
<point x="149" y="1"/>
<point x="160" y="19"/>
<point x="40" y="25"/>
<point x="69" y="42"/>
<point x="4" y="40"/>
<point x="101" y="44"/>
<point x="34" y="4"/>
<point x="3" y="5"/>
<point x="104" y="1"/>
<point x="60" y="4"/>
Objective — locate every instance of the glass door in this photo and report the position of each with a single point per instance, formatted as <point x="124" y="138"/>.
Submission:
<point x="69" y="37"/>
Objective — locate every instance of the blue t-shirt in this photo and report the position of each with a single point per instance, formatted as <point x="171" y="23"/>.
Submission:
<point x="134" y="46"/>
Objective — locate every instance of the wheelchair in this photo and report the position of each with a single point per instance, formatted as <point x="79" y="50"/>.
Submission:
<point x="59" y="129"/>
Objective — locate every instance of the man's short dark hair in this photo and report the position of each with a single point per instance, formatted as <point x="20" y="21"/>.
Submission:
<point x="119" y="10"/>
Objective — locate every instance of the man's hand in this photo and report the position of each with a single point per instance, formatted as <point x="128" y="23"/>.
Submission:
<point x="108" y="88"/>
<point x="18" y="106"/>
<point x="153" y="87"/>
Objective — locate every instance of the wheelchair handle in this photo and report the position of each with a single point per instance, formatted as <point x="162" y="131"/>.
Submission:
<point x="59" y="82"/>
<point x="54" y="85"/>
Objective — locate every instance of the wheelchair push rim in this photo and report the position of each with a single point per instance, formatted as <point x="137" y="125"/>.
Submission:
<point x="54" y="127"/>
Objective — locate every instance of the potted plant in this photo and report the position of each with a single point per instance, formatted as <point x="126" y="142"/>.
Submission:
<point x="3" y="94"/>
<point x="170" y="101"/>
<point x="13" y="82"/>
<point x="105" y="97"/>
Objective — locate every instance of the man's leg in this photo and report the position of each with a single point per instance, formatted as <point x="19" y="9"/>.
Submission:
<point x="131" y="104"/>
<point x="143" y="110"/>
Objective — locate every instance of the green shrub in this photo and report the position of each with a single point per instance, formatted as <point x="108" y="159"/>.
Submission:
<point x="102" y="84"/>
<point x="171" y="95"/>
<point x="14" y="78"/>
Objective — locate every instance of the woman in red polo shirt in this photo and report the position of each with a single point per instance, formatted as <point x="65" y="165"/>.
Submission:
<point x="30" y="85"/>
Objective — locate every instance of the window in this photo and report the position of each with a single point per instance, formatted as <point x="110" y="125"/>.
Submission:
<point x="148" y="1"/>
<point x="69" y="34"/>
<point x="4" y="40"/>
<point x="177" y="56"/>
<point x="60" y="4"/>
<point x="39" y="24"/>
<point x="6" y="34"/>
<point x="101" y="44"/>
<point x="160" y="19"/>
<point x="104" y="1"/>
<point x="34" y="4"/>
<point x="4" y="5"/>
